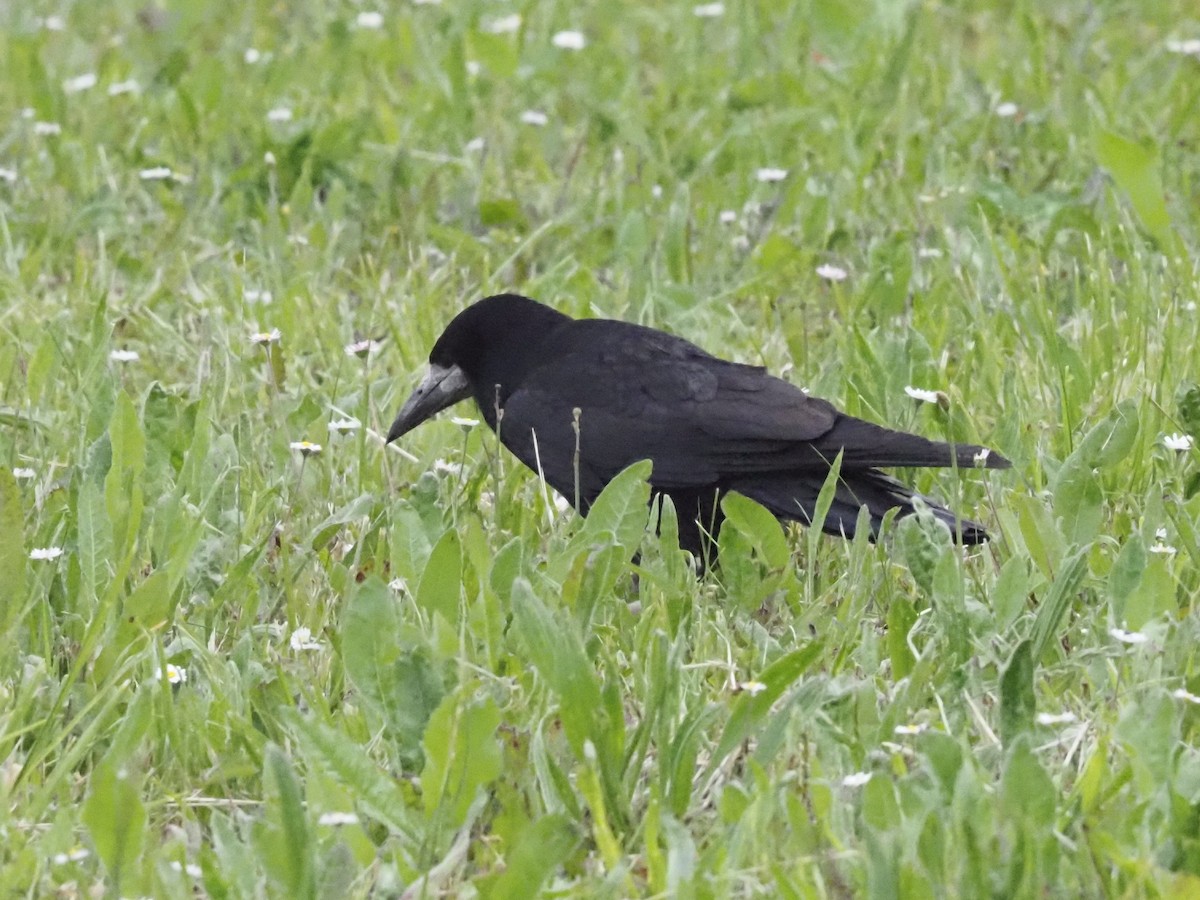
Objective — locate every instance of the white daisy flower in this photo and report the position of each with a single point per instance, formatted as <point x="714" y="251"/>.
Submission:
<point x="266" y="337"/>
<point x="362" y="348"/>
<point x="534" y="117"/>
<point x="445" y="467"/>
<point x="1007" y="110"/>
<point x="47" y="129"/>
<point x="924" y="395"/>
<point x="1190" y="47"/>
<point x="269" y="159"/>
<point x="123" y="87"/>
<point x="1181" y="442"/>
<point x="475" y="145"/>
<point x="302" y="639"/>
<point x="1128" y="637"/>
<point x="727" y="217"/>
<point x="342" y="426"/>
<point x="474" y="68"/>
<point x="158" y="173"/>
<point x="770" y="175"/>
<point x="569" y="40"/>
<point x="339" y="818"/>
<point x="981" y="457"/>
<point x="124" y="356"/>
<point x="753" y="688"/>
<point x="80" y="83"/>
<point x="175" y="674"/>
<point x="279" y="114"/>
<point x="1063" y="718"/>
<point x="504" y="24"/>
<point x="251" y="56"/>
<point x="918" y="728"/>
<point x="1163" y="548"/>
<point x="832" y="273"/>
<point x="857" y="779"/>
<point x="929" y="253"/>
<point x="708" y="10"/>
<point x="74" y="855"/>
<point x="23" y="474"/>
<point x="45" y="552"/>
<point x="464" y="423"/>
<point x="54" y="23"/>
<point x="305" y="448"/>
<point x="369" y="19"/>
<point x="254" y="295"/>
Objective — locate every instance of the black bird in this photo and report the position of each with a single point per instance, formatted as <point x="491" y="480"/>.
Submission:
<point x="584" y="398"/>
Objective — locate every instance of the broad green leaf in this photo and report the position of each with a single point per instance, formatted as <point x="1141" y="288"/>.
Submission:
<point x="125" y="433"/>
<point x="901" y="617"/>
<point x="1040" y="533"/>
<point x="145" y="611"/>
<point x="1134" y="167"/>
<point x="950" y="608"/>
<point x="356" y="510"/>
<point x="924" y="542"/>
<point x="116" y="818"/>
<point x="409" y="545"/>
<point x="441" y="583"/>
<point x="93" y="538"/>
<point x="1187" y="402"/>
<point x="751" y="709"/>
<point x="1126" y="574"/>
<point x="1154" y="595"/>
<point x="1026" y="791"/>
<point x="288" y="848"/>
<point x="1058" y="599"/>
<point x="879" y="807"/>
<point x="1018" y="704"/>
<point x="12" y="548"/>
<point x="1094" y="777"/>
<point x="759" y="527"/>
<point x="556" y="650"/>
<point x="1149" y="728"/>
<point x="622" y="509"/>
<point x="462" y="756"/>
<point x="540" y="849"/>
<point x="374" y="789"/>
<point x="397" y="680"/>
<point x="1010" y="592"/>
<point x="1078" y="501"/>
<point x="1110" y="441"/>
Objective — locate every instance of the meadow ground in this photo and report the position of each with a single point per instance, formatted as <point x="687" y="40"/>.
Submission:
<point x="234" y="666"/>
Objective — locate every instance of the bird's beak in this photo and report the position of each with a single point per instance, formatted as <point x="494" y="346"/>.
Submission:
<point x="440" y="388"/>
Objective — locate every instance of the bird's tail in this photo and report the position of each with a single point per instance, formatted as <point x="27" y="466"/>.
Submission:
<point x="793" y="496"/>
<point x="865" y="445"/>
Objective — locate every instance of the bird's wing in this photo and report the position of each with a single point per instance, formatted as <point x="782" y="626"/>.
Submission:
<point x="643" y="394"/>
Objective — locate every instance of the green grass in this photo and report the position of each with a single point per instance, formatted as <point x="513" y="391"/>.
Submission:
<point x="482" y="684"/>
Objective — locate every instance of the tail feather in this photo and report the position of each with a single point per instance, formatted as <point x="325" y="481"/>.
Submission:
<point x="866" y="445"/>
<point x="793" y="496"/>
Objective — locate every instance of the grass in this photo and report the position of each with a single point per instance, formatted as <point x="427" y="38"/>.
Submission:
<point x="406" y="677"/>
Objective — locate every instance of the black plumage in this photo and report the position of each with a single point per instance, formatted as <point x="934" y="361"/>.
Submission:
<point x="581" y="399"/>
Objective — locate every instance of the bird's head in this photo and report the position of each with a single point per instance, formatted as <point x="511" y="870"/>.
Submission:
<point x="485" y="345"/>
